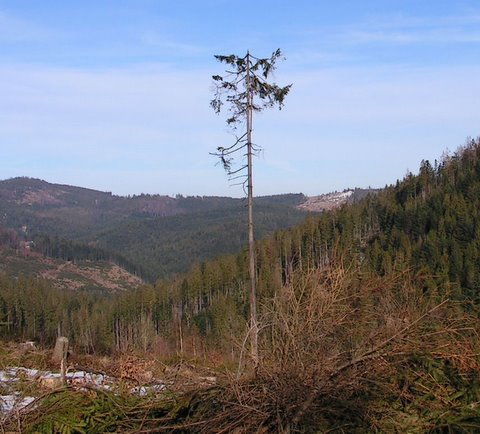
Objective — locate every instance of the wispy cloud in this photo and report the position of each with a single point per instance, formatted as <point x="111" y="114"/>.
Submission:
<point x="127" y="111"/>
<point x="148" y="127"/>
<point x="413" y="36"/>
<point x="166" y="42"/>
<point x="339" y="42"/>
<point x="108" y="123"/>
<point x="401" y="29"/>
<point x="384" y="94"/>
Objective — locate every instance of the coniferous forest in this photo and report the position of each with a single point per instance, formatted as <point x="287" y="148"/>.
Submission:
<point x="368" y="315"/>
<point x="426" y="224"/>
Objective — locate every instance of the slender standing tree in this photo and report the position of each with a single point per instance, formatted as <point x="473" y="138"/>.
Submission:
<point x="246" y="90"/>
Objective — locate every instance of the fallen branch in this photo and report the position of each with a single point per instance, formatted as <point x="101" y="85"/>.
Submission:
<point x="373" y="353"/>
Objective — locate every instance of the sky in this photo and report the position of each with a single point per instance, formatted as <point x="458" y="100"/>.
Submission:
<point x="114" y="95"/>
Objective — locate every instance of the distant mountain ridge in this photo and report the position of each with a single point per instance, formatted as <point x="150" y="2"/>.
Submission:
<point x="57" y="206"/>
<point x="151" y="236"/>
<point x="37" y="193"/>
<point x="161" y="234"/>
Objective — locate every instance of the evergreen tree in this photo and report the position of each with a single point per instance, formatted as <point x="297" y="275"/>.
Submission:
<point x="246" y="90"/>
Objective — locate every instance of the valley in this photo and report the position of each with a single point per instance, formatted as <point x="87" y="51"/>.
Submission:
<point x="151" y="236"/>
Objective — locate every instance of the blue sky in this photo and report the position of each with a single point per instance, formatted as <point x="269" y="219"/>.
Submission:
<point x="114" y="95"/>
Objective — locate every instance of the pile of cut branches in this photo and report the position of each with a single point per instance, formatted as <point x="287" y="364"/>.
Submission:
<point x="344" y="352"/>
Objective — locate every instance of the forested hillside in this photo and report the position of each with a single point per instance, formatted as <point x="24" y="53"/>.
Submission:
<point x="79" y="213"/>
<point x="426" y="224"/>
<point x="151" y="236"/>
<point x="168" y="245"/>
<point x="368" y="319"/>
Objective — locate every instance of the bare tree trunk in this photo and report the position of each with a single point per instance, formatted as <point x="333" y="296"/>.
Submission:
<point x="251" y="241"/>
<point x="60" y="355"/>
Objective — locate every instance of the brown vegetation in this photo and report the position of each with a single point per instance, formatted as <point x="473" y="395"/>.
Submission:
<point x="343" y="352"/>
<point x="69" y="275"/>
<point x="340" y="351"/>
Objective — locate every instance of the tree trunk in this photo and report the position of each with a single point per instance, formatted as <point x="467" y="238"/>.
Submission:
<point x="60" y="355"/>
<point x="251" y="241"/>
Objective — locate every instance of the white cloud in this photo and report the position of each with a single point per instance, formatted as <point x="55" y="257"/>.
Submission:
<point x="401" y="29"/>
<point x="393" y="29"/>
<point x="164" y="41"/>
<point x="407" y="36"/>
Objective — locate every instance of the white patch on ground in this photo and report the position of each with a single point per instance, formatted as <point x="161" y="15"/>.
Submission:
<point x="14" y="401"/>
<point x="325" y="201"/>
<point x="9" y="403"/>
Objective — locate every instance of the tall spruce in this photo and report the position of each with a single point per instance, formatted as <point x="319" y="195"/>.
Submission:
<point x="245" y="88"/>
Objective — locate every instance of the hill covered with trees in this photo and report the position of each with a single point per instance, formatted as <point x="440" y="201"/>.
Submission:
<point x="368" y="316"/>
<point x="426" y="224"/>
<point x="151" y="236"/>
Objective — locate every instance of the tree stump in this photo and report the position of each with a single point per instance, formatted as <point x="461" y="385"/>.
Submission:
<point x="60" y="355"/>
<point x="60" y="351"/>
